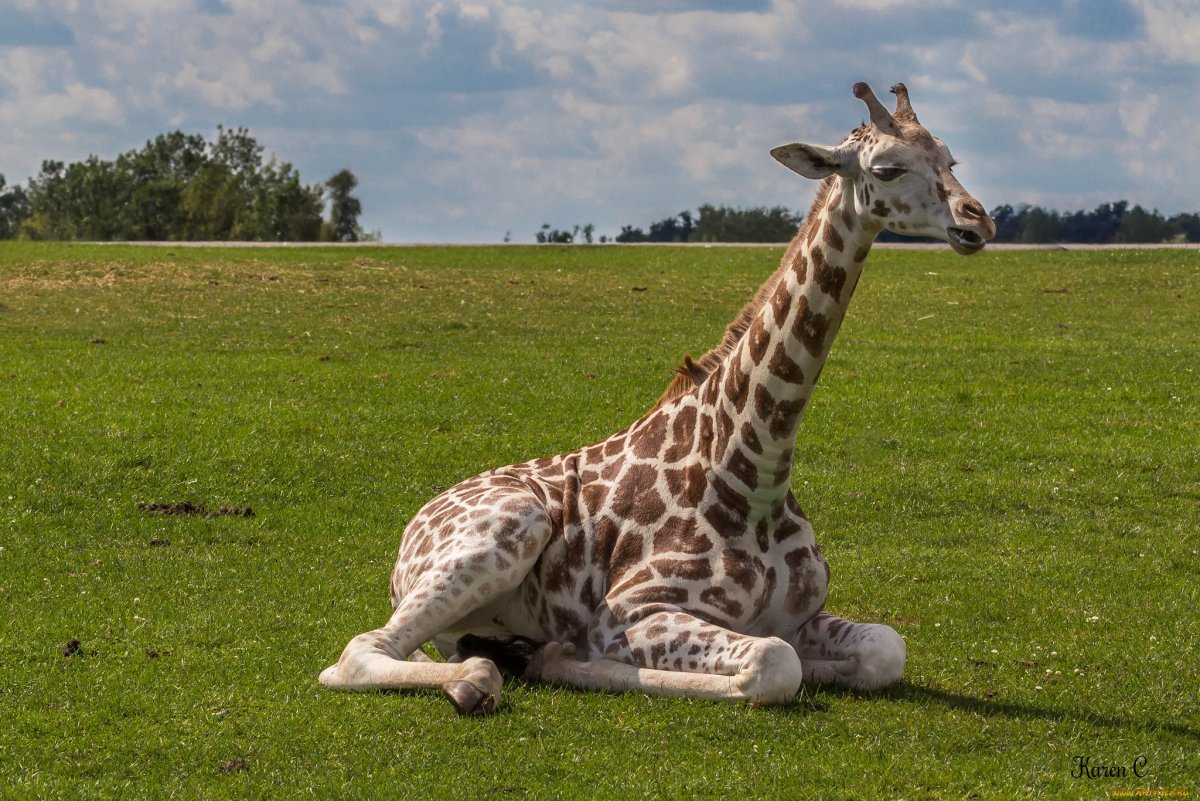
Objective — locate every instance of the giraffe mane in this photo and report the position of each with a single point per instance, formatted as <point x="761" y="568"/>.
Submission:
<point x="692" y="373"/>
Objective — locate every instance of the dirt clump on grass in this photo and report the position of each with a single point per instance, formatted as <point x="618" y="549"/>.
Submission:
<point x="233" y="766"/>
<point x="188" y="508"/>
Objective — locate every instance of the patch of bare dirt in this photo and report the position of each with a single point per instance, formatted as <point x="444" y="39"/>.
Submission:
<point x="186" y="507"/>
<point x="233" y="766"/>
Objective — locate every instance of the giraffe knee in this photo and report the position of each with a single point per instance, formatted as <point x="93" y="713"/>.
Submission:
<point x="773" y="673"/>
<point x="881" y="659"/>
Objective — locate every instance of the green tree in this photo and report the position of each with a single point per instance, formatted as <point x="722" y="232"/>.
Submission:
<point x="14" y="209"/>
<point x="1040" y="226"/>
<point x="157" y="177"/>
<point x="553" y="236"/>
<point x="1183" y="226"/>
<point x="210" y="203"/>
<point x="1139" y="225"/>
<point x="344" y="208"/>
<point x="758" y="224"/>
<point x="48" y="204"/>
<point x="630" y="234"/>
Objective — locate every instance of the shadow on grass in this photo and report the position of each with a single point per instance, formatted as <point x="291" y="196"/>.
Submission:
<point x="807" y="701"/>
<point x="992" y="708"/>
<point x="812" y="701"/>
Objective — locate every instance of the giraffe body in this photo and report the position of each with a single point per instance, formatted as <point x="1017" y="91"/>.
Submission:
<point x="672" y="557"/>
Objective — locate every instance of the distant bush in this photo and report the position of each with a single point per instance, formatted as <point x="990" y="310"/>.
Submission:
<point x="180" y="187"/>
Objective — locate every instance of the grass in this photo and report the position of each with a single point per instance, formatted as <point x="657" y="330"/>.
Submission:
<point x="1001" y="461"/>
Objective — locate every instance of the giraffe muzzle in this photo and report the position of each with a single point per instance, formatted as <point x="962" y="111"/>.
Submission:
<point x="964" y="241"/>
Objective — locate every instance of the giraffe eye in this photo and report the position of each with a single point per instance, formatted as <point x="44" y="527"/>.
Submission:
<point x="887" y="173"/>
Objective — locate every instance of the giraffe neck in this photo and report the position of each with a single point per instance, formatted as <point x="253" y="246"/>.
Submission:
<point x="757" y="396"/>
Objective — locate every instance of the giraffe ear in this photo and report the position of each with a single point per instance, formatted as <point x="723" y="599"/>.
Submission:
<point x="813" y="161"/>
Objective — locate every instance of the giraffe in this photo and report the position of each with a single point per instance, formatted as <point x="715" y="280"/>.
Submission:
<point x="672" y="558"/>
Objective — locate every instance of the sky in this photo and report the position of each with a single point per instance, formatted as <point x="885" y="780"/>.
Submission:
<point x="467" y="121"/>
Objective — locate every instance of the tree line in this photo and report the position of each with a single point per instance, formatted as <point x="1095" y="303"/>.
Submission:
<point x="181" y="187"/>
<point x="1107" y="224"/>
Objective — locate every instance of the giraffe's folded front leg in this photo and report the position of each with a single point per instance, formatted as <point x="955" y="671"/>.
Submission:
<point x="861" y="656"/>
<point x="674" y="654"/>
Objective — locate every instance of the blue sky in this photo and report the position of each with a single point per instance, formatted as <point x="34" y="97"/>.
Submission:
<point x="467" y="120"/>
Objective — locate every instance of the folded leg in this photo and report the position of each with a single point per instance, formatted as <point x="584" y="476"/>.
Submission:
<point x="674" y="654"/>
<point x="489" y="557"/>
<point x="860" y="656"/>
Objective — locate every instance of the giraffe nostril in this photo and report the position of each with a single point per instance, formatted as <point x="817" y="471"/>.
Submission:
<point x="972" y="210"/>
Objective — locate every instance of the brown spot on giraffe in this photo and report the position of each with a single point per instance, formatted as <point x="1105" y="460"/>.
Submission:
<point x="635" y="496"/>
<point x="680" y="535"/>
<point x="724" y="521"/>
<point x="648" y="439"/>
<point x="621" y="583"/>
<point x="784" y="367"/>
<point x="614" y="446"/>
<point x="750" y="438"/>
<point x="810" y="327"/>
<point x="612" y="468"/>
<point x="588" y="596"/>
<point x="657" y="594"/>
<point x="781" y="303"/>
<point x="719" y="599"/>
<point x="742" y="568"/>
<point x="762" y="535"/>
<point x="687" y="569"/>
<point x="604" y="540"/>
<point x="849" y="221"/>
<point x="785" y="416"/>
<point x="594" y="495"/>
<point x="802" y="593"/>
<point x="683" y="433"/>
<point x="705" y="443"/>
<point x="758" y="338"/>
<point x="832" y="238"/>
<point x="766" y="594"/>
<point x="737" y="389"/>
<point x="723" y="434"/>
<point x="743" y="469"/>
<point x="764" y="403"/>
<point x="800" y="270"/>
<point x="831" y="279"/>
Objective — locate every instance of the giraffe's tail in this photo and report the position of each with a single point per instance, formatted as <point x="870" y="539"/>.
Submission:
<point x="510" y="654"/>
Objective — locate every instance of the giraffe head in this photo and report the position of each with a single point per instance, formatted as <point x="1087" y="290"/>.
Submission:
<point x="901" y="176"/>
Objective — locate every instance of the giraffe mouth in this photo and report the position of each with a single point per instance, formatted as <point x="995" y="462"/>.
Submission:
<point x="964" y="241"/>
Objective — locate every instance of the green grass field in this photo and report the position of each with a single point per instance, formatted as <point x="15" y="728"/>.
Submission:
<point x="1002" y="461"/>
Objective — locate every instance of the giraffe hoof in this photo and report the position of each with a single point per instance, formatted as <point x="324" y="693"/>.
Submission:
<point x="469" y="699"/>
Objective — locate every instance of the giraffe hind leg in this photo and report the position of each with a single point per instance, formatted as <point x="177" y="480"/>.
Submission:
<point x="370" y="663"/>
<point x="439" y="600"/>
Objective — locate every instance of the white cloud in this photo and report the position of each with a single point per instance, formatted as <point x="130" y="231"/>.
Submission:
<point x="878" y="5"/>
<point x="1173" y="27"/>
<point x="230" y="86"/>
<point x="1136" y="108"/>
<point x="44" y="93"/>
<point x="467" y="118"/>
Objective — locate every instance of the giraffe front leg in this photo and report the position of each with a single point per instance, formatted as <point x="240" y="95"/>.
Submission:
<point x="860" y="656"/>
<point x="673" y="654"/>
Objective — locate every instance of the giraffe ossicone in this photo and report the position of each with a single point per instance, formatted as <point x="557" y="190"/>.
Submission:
<point x="672" y="558"/>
